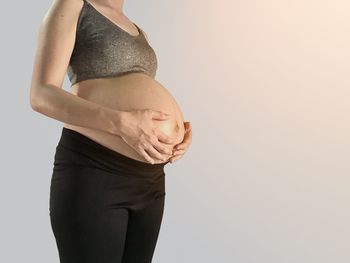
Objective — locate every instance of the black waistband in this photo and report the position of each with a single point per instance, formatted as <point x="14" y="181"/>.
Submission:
<point x="107" y="158"/>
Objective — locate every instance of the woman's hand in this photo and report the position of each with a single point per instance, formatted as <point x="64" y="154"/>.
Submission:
<point x="181" y="148"/>
<point x="138" y="130"/>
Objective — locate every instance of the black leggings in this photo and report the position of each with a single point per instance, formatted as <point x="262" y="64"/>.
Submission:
<point x="104" y="206"/>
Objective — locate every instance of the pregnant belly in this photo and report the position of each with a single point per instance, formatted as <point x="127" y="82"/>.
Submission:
<point x="130" y="92"/>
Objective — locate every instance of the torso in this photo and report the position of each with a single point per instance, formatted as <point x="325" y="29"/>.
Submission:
<point x="116" y="68"/>
<point x="127" y="92"/>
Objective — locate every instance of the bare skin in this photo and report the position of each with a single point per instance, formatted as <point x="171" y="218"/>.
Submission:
<point x="128" y="92"/>
<point x="142" y="131"/>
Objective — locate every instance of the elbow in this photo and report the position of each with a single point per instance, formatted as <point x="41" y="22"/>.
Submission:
<point x="34" y="107"/>
<point x="37" y="97"/>
<point x="33" y="102"/>
<point x="34" y="99"/>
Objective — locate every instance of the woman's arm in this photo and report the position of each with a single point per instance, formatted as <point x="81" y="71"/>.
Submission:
<point x="55" y="44"/>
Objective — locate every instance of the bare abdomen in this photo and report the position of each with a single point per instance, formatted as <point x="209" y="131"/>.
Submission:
<point x="129" y="92"/>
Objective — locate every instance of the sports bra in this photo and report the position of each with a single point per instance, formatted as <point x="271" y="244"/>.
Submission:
<point x="103" y="49"/>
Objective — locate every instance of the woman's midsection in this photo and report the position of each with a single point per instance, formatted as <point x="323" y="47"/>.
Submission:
<point x="129" y="92"/>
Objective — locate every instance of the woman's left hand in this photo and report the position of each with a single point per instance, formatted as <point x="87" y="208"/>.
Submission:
<point x="181" y="148"/>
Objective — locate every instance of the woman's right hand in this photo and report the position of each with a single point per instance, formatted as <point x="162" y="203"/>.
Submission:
<point x="138" y="131"/>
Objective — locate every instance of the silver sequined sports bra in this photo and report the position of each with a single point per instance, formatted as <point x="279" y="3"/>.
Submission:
<point x="103" y="49"/>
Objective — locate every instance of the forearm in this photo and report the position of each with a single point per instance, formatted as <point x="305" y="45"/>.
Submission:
<point x="66" y="107"/>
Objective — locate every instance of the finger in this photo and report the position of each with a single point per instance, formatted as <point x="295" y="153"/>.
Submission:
<point x="180" y="146"/>
<point x="155" y="154"/>
<point x="159" y="144"/>
<point x="188" y="130"/>
<point x="186" y="141"/>
<point x="162" y="137"/>
<point x="159" y="115"/>
<point x="187" y="125"/>
<point x="162" y="148"/>
<point x="175" y="158"/>
<point x="183" y="145"/>
<point x="146" y="156"/>
<point x="179" y="152"/>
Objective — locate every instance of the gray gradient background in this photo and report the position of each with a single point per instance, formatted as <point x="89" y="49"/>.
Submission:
<point x="266" y="87"/>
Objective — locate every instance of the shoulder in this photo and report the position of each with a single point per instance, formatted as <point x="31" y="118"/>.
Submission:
<point x="62" y="16"/>
<point x="65" y="8"/>
<point x="55" y="42"/>
<point x="65" y="3"/>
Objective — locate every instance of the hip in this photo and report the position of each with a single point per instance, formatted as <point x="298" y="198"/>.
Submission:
<point x="88" y="177"/>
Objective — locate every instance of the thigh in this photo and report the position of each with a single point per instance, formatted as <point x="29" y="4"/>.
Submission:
<point x="85" y="232"/>
<point x="142" y="232"/>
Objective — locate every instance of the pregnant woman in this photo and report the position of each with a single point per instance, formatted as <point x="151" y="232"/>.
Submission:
<point x="121" y="127"/>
